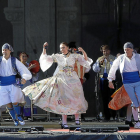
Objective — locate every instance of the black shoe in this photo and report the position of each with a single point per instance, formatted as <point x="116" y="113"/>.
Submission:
<point x="64" y="126"/>
<point x="129" y="123"/>
<point x="106" y="120"/>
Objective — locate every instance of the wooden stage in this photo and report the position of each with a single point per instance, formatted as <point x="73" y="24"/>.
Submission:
<point x="52" y="130"/>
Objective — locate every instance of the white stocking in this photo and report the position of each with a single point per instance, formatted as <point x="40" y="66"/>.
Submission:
<point x="64" y="119"/>
<point x="129" y="113"/>
<point x="76" y="118"/>
<point x="135" y="113"/>
<point x="139" y="113"/>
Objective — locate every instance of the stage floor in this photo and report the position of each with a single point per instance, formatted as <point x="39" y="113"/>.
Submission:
<point x="131" y="130"/>
<point x="54" y="126"/>
<point x="53" y="131"/>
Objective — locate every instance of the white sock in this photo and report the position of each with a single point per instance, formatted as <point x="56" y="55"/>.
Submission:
<point x="76" y="118"/>
<point x="135" y="113"/>
<point x="129" y="113"/>
<point x="64" y="119"/>
<point x="139" y="113"/>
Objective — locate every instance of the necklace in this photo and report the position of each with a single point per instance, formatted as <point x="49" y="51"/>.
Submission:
<point x="66" y="54"/>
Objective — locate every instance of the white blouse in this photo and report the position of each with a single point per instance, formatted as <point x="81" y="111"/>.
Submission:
<point x="129" y="66"/>
<point x="47" y="60"/>
<point x="6" y="69"/>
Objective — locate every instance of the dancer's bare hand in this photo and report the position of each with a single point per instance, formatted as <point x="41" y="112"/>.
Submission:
<point x="111" y="85"/>
<point x="81" y="49"/>
<point x="101" y="61"/>
<point x="32" y="66"/>
<point x="23" y="81"/>
<point x="45" y="44"/>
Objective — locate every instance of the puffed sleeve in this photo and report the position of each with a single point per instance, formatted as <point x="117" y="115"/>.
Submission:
<point x="85" y="63"/>
<point x="46" y="61"/>
<point x="23" y="70"/>
<point x="96" y="66"/>
<point x="112" y="71"/>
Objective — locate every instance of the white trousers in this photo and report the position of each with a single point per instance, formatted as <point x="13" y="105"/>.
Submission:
<point x="10" y="94"/>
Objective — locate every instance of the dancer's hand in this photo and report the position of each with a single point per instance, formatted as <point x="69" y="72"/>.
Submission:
<point x="81" y="50"/>
<point x="23" y="81"/>
<point x="111" y="85"/>
<point x="45" y="45"/>
<point x="32" y="66"/>
<point x="101" y="61"/>
<point x="84" y="53"/>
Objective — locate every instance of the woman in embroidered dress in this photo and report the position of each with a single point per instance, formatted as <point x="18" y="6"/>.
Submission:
<point x="23" y="56"/>
<point x="62" y="93"/>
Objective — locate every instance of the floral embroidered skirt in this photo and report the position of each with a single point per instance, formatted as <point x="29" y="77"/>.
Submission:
<point x="60" y="95"/>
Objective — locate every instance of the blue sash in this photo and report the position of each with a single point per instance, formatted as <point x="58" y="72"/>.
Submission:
<point x="8" y="80"/>
<point x="130" y="77"/>
<point x="105" y="75"/>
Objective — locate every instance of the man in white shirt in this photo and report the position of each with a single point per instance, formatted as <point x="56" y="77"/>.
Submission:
<point x="10" y="94"/>
<point x="129" y="64"/>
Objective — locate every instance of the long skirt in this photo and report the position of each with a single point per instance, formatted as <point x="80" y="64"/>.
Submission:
<point x="60" y="95"/>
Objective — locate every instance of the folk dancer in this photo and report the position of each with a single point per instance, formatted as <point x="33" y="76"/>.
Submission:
<point x="129" y="65"/>
<point x="26" y="110"/>
<point x="63" y="93"/>
<point x="11" y="94"/>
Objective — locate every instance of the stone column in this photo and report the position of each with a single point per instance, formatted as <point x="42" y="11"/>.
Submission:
<point x="68" y="21"/>
<point x="15" y="14"/>
<point x="40" y="28"/>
